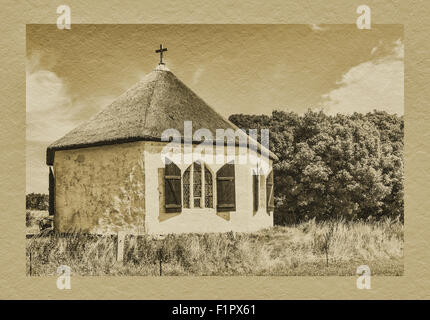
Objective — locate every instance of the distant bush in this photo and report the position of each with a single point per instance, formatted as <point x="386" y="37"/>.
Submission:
<point x="38" y="218"/>
<point x="37" y="201"/>
<point x="28" y="219"/>
<point x="348" y="166"/>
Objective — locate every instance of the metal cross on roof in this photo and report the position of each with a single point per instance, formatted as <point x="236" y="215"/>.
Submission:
<point x="160" y="51"/>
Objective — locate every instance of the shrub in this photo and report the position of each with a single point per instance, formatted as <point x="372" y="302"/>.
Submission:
<point x="37" y="201"/>
<point x="334" y="166"/>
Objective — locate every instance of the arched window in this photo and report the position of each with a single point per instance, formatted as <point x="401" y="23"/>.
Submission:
<point x="209" y="198"/>
<point x="197" y="186"/>
<point x="255" y="191"/>
<point x="51" y="192"/>
<point x="270" y="201"/>
<point x="186" y="187"/>
<point x="259" y="182"/>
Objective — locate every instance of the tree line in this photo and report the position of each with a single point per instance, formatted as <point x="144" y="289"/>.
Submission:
<point x="36" y="201"/>
<point x="341" y="166"/>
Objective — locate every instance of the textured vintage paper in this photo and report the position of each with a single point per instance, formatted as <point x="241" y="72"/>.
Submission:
<point x="414" y="15"/>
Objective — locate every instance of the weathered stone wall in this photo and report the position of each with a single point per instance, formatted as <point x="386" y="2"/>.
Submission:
<point x="100" y="189"/>
<point x="103" y="190"/>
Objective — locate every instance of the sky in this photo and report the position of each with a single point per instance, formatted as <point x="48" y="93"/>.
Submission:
<point x="254" y="69"/>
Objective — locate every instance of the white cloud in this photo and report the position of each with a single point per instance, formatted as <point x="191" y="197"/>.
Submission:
<point x="399" y="49"/>
<point x="47" y="104"/>
<point x="197" y="74"/>
<point x="316" y="27"/>
<point x="51" y="113"/>
<point x="374" y="49"/>
<point x="377" y="84"/>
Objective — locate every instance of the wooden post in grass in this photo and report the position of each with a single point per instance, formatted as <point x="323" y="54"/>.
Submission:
<point x="160" y="259"/>
<point x="30" y="264"/>
<point x="120" y="246"/>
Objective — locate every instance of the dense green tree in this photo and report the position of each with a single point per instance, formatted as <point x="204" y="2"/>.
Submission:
<point x="36" y="201"/>
<point x="348" y="166"/>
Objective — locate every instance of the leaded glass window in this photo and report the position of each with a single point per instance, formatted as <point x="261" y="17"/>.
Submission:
<point x="186" y="187"/>
<point x="208" y="189"/>
<point x="197" y="184"/>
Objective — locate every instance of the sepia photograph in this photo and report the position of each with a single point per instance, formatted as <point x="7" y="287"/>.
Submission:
<point x="214" y="150"/>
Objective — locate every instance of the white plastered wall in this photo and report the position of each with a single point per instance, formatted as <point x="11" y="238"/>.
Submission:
<point x="157" y="221"/>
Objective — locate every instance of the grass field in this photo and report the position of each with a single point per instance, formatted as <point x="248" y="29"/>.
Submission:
<point x="308" y="249"/>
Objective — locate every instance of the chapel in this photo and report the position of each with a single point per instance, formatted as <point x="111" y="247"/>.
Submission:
<point x="112" y="174"/>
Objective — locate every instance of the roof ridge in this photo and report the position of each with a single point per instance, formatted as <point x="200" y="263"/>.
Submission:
<point x="217" y="113"/>
<point x="157" y="102"/>
<point x="157" y="76"/>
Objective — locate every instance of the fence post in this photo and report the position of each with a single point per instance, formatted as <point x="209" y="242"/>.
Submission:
<point x="30" y="264"/>
<point x="120" y="246"/>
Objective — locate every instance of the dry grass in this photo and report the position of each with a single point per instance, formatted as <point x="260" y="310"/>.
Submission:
<point x="299" y="250"/>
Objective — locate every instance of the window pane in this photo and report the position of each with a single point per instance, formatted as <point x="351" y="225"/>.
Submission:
<point x="197" y="181"/>
<point x="196" y="202"/>
<point x="186" y="188"/>
<point x="208" y="189"/>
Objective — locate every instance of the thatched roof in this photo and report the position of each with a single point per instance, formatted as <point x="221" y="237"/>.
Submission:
<point x="158" y="102"/>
